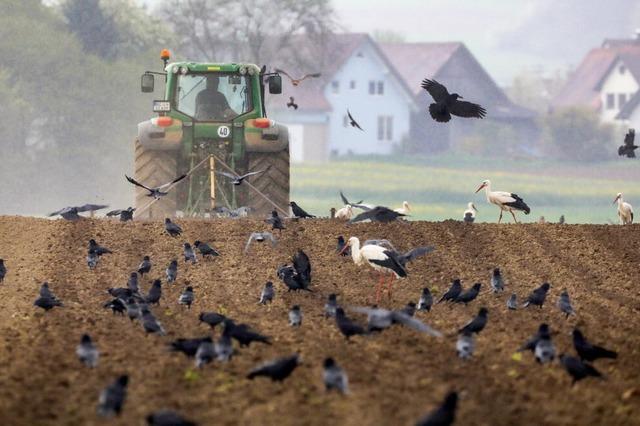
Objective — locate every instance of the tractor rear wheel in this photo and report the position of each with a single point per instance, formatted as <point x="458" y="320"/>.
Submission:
<point x="154" y="168"/>
<point x="274" y="183"/>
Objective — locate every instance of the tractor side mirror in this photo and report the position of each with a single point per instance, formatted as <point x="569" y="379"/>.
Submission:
<point x="146" y="83"/>
<point x="275" y="84"/>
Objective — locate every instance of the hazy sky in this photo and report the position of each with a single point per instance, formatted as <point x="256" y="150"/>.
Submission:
<point x="506" y="36"/>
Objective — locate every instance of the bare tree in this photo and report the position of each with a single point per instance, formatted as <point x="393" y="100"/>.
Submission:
<point x="255" y="31"/>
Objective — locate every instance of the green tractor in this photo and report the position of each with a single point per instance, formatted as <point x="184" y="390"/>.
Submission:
<point x="212" y="119"/>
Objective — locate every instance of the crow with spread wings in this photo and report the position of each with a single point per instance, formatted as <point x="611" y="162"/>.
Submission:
<point x="238" y="179"/>
<point x="447" y="104"/>
<point x="159" y="191"/>
<point x="628" y="148"/>
<point x="71" y="213"/>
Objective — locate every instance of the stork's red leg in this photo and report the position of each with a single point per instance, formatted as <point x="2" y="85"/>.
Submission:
<point x="390" y="285"/>
<point x="379" y="288"/>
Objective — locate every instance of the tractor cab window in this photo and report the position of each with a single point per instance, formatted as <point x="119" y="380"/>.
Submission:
<point x="213" y="96"/>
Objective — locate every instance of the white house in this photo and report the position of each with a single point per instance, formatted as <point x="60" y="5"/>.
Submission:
<point x="605" y="81"/>
<point x="356" y="77"/>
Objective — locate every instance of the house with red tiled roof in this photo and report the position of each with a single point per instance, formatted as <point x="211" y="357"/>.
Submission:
<point x="606" y="80"/>
<point x="379" y="83"/>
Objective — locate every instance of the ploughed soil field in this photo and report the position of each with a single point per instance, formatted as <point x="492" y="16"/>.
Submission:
<point x="395" y="376"/>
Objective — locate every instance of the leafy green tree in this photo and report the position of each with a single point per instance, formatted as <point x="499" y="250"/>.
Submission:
<point x="577" y="134"/>
<point x="96" y="30"/>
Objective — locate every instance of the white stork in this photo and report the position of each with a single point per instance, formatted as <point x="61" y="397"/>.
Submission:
<point x="625" y="211"/>
<point x="405" y="209"/>
<point x="470" y="213"/>
<point x="345" y="213"/>
<point x="381" y="259"/>
<point x="507" y="201"/>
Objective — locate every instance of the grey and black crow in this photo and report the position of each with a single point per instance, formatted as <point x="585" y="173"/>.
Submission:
<point x="71" y="213"/>
<point x="334" y="377"/>
<point x="125" y="215"/>
<point x="112" y="397"/>
<point x="158" y="191"/>
<point x="172" y="229"/>
<point x="444" y="415"/>
<point x="277" y="370"/>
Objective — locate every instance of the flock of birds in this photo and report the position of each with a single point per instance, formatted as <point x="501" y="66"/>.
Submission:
<point x="380" y="255"/>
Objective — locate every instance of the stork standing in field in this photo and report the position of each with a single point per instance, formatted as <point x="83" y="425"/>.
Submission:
<point x="470" y="213"/>
<point x="625" y="211"/>
<point x="507" y="201"/>
<point x="381" y="259"/>
<point x="405" y="209"/>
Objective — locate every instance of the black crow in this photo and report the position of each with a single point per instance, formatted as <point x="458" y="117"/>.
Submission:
<point x="168" y="418"/>
<point x="150" y="323"/>
<point x="446" y="104"/>
<point x="340" y="249"/>
<point x="112" y="397"/>
<point x="347" y="327"/>
<point x="353" y="123"/>
<point x="238" y="179"/>
<point x="378" y="214"/>
<point x="189" y="347"/>
<point x="212" y="318"/>
<point x="588" y="351"/>
<point x="276" y="370"/>
<point x="93" y="245"/>
<point x="125" y="215"/>
<point x="469" y="295"/>
<point x="71" y="213"/>
<point x="444" y="415"/>
<point x="47" y="303"/>
<point x="477" y="324"/>
<point x="299" y="212"/>
<point x="244" y="335"/>
<point x="116" y="305"/>
<point x="292" y="103"/>
<point x="120" y="292"/>
<point x="172" y="229"/>
<point x="155" y="293"/>
<point x="577" y="369"/>
<point x="204" y="249"/>
<point x="452" y="294"/>
<point x="3" y="270"/>
<point x="538" y="296"/>
<point x="45" y="291"/>
<point x="275" y="221"/>
<point x="158" y="191"/>
<point x="628" y="148"/>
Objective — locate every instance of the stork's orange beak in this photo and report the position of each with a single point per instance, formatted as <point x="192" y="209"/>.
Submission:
<point x="481" y="186"/>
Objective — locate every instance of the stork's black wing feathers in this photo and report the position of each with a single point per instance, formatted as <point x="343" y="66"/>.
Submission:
<point x="467" y="109"/>
<point x="518" y="204"/>
<point x="437" y="91"/>
<point x="391" y="262"/>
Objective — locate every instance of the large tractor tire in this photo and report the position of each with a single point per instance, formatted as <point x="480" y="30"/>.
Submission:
<point x="274" y="183"/>
<point x="154" y="168"/>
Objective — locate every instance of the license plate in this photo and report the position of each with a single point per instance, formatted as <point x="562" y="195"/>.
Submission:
<point x="161" y="106"/>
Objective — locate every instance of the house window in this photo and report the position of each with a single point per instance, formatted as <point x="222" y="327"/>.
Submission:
<point x="385" y="128"/>
<point x="381" y="88"/>
<point x="335" y="86"/>
<point x="611" y="101"/>
<point x="622" y="69"/>
<point x="622" y="99"/>
<point x="372" y="87"/>
<point x="352" y="84"/>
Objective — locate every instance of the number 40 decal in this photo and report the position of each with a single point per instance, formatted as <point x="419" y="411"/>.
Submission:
<point x="224" y="131"/>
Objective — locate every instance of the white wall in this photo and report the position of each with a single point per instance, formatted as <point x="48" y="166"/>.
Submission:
<point x="634" y="122"/>
<point x="364" y="107"/>
<point x="616" y="83"/>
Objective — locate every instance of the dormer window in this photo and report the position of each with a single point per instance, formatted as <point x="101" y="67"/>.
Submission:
<point x="622" y="69"/>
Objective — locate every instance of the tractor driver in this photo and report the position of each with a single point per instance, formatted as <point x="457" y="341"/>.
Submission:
<point x="211" y="104"/>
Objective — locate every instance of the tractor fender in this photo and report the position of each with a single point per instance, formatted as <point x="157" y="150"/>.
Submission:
<point x="153" y="137"/>
<point x="272" y="139"/>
